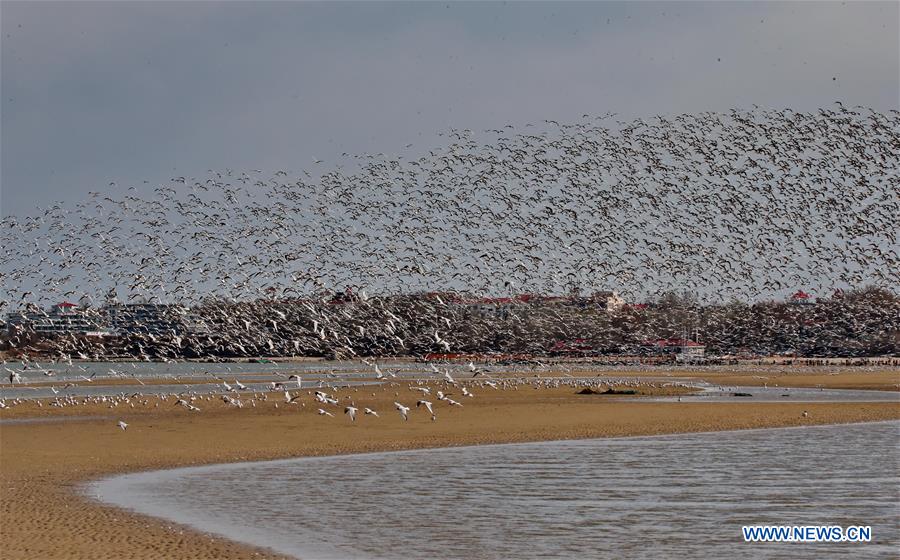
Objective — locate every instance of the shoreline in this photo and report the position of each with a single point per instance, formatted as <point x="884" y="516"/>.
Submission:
<point x="87" y="483"/>
<point x="868" y="382"/>
<point x="46" y="465"/>
<point x="835" y="377"/>
<point x="86" y="488"/>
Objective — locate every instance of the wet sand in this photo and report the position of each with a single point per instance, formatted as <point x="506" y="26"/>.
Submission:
<point x="882" y="380"/>
<point x="827" y="377"/>
<point x="43" y="466"/>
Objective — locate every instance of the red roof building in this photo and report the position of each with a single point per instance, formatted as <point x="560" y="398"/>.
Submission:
<point x="64" y="308"/>
<point x="801" y="298"/>
<point x="575" y="346"/>
<point x="672" y="343"/>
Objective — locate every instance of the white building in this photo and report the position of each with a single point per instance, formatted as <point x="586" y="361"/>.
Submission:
<point x="609" y="298"/>
<point x="62" y="318"/>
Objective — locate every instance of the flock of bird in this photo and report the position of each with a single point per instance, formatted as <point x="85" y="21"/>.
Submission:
<point x="737" y="204"/>
<point x="428" y="395"/>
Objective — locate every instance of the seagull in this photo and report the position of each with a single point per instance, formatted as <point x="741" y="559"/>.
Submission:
<point x="186" y="405"/>
<point x="427" y="406"/>
<point x="441" y="341"/>
<point x="232" y="402"/>
<point x="324" y="398"/>
<point x="403" y="410"/>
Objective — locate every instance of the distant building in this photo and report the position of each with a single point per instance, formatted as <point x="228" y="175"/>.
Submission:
<point x="495" y="308"/>
<point x="610" y="299"/>
<point x="113" y="319"/>
<point x="152" y="318"/>
<point x="347" y="296"/>
<point x="501" y="307"/>
<point x="684" y="350"/>
<point x="801" y="298"/>
<point x="62" y="318"/>
<point x="574" y="347"/>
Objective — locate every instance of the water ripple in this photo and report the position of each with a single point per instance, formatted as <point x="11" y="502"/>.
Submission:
<point x="649" y="497"/>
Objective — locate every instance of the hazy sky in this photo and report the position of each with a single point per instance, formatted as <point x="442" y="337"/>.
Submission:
<point x="124" y="92"/>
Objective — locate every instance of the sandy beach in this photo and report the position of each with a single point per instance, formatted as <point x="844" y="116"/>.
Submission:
<point x="43" y="465"/>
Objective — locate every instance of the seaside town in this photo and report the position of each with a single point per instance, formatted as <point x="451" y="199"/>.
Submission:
<point x="601" y="325"/>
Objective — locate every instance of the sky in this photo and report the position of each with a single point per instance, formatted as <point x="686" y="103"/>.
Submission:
<point x="102" y="96"/>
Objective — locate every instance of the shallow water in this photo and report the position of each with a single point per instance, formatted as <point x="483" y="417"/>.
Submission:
<point x="326" y="373"/>
<point x="649" y="497"/>
<point x="89" y="390"/>
<point x="711" y="393"/>
<point x="49" y="420"/>
<point x="347" y="373"/>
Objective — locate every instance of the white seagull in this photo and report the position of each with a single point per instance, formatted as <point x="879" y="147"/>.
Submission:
<point x="427" y="406"/>
<point x="404" y="410"/>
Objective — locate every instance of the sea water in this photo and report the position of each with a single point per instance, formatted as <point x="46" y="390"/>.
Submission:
<point x="683" y="496"/>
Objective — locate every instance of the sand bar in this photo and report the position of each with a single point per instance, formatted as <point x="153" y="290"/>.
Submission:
<point x="43" y="465"/>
